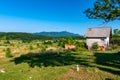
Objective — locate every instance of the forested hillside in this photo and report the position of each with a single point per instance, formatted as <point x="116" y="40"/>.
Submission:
<point x="21" y="36"/>
<point x="30" y="36"/>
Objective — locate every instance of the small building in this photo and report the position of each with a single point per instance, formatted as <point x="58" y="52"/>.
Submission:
<point x="101" y="36"/>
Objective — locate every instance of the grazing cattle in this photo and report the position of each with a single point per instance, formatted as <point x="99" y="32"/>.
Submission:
<point x="67" y="46"/>
<point x="103" y="48"/>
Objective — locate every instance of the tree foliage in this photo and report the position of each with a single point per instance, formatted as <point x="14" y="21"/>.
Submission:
<point x="116" y="37"/>
<point x="107" y="10"/>
<point x="22" y="36"/>
<point x="8" y="53"/>
<point x="116" y="32"/>
<point x="66" y="40"/>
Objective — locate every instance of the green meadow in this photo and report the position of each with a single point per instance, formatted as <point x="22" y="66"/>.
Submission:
<point x="45" y="60"/>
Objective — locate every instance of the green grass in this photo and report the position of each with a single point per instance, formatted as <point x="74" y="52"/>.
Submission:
<point x="62" y="66"/>
<point x="34" y="63"/>
<point x="24" y="72"/>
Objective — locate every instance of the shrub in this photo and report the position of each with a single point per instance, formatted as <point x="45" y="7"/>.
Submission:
<point x="43" y="48"/>
<point x="38" y="45"/>
<point x="6" y="42"/>
<point x="115" y="40"/>
<point x="113" y="46"/>
<point x="61" y="42"/>
<point x="8" y="53"/>
<point x="81" y="44"/>
<point x="30" y="47"/>
<point x="94" y="46"/>
<point x="66" y="40"/>
<point x="47" y="42"/>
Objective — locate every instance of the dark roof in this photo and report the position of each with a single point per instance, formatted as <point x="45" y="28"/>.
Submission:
<point x="99" y="32"/>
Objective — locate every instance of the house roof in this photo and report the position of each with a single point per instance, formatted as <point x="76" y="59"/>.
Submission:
<point x="98" y="32"/>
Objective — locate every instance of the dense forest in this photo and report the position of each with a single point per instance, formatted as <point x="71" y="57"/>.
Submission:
<point x="29" y="36"/>
<point x="21" y="36"/>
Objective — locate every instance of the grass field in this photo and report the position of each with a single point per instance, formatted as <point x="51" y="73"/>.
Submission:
<point x="62" y="66"/>
<point x="32" y="63"/>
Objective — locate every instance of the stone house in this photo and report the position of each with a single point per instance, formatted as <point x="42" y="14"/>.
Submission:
<point x="101" y="36"/>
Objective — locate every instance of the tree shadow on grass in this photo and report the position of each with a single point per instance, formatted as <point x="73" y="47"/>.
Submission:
<point x="109" y="62"/>
<point x="48" y="59"/>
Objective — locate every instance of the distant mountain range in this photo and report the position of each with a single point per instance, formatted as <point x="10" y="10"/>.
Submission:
<point x="57" y="34"/>
<point x="37" y="36"/>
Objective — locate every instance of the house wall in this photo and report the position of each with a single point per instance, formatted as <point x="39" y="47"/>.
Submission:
<point x="107" y="41"/>
<point x="104" y="41"/>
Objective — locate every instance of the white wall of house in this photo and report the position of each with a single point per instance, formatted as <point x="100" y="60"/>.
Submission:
<point x="100" y="41"/>
<point x="90" y="41"/>
<point x="107" y="41"/>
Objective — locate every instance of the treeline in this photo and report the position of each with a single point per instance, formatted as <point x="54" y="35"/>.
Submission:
<point x="73" y="37"/>
<point x="21" y="36"/>
<point x="28" y="36"/>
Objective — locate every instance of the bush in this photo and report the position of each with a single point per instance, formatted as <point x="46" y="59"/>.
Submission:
<point x="115" y="40"/>
<point x="8" y="53"/>
<point x="62" y="43"/>
<point x="6" y="42"/>
<point x="47" y="42"/>
<point x="113" y="46"/>
<point x="43" y="48"/>
<point x="30" y="47"/>
<point x="94" y="46"/>
<point x="81" y="44"/>
<point x="66" y="40"/>
<point x="38" y="45"/>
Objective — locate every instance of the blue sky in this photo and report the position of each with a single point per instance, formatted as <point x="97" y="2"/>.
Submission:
<point x="48" y="15"/>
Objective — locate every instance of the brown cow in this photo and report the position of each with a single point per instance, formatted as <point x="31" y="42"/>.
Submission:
<point x="68" y="46"/>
